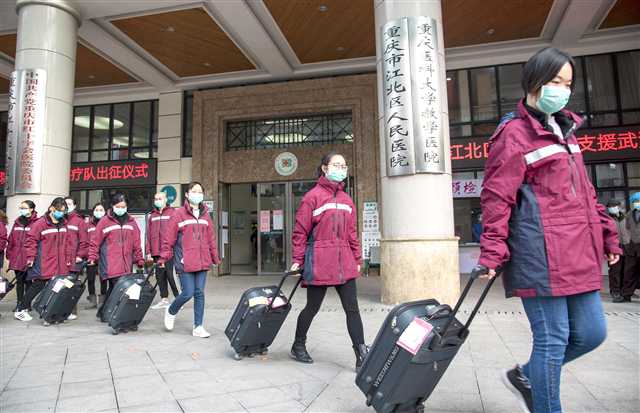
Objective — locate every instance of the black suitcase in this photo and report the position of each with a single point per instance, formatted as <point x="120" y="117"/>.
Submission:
<point x="124" y="314"/>
<point x="255" y="321"/>
<point x="6" y="286"/>
<point x="58" y="298"/>
<point x="401" y="370"/>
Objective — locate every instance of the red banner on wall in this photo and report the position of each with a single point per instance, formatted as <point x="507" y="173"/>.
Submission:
<point x="127" y="173"/>
<point x="602" y="144"/>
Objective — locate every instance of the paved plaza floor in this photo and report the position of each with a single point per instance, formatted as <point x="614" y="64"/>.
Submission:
<point x="80" y="366"/>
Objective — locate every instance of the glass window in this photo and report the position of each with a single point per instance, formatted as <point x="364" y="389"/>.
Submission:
<point x="629" y="79"/>
<point x="483" y="93"/>
<point x="577" y="103"/>
<point x="465" y="216"/>
<point x="602" y="91"/>
<point x="463" y="175"/>
<point x="604" y="119"/>
<point x="81" y="128"/>
<point x="121" y="127"/>
<point x="140" y="153"/>
<point x="187" y="122"/>
<point x="141" y="124"/>
<point x="609" y="175"/>
<point x="606" y="196"/>
<point x="458" y="96"/>
<point x="99" y="156"/>
<point x="633" y="173"/>
<point x="80" y="157"/>
<point x="154" y="132"/>
<point x="100" y="127"/>
<point x="510" y="87"/>
<point x="630" y="118"/>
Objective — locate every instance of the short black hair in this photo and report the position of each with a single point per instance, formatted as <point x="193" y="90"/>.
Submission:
<point x="58" y="203"/>
<point x="29" y="203"/>
<point x="98" y="204"/>
<point x="613" y="203"/>
<point x="194" y="183"/>
<point x="543" y="66"/>
<point x="119" y="197"/>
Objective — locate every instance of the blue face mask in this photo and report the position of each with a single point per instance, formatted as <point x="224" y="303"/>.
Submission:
<point x="336" y="175"/>
<point x="553" y="98"/>
<point x="195" y="198"/>
<point x="24" y="212"/>
<point x="119" y="211"/>
<point x="98" y="214"/>
<point x="159" y="204"/>
<point x="58" y="215"/>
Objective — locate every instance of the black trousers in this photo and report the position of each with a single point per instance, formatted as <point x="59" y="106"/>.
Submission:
<point x="349" y="299"/>
<point x="92" y="272"/>
<point x="164" y="276"/>
<point x="616" y="272"/>
<point x="631" y="275"/>
<point x="21" y="286"/>
<point x="32" y="292"/>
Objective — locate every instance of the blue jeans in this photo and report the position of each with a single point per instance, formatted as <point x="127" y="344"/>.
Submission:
<point x="564" y="328"/>
<point x="192" y="286"/>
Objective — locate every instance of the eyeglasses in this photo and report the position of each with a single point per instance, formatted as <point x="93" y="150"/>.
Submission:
<point x="339" y="166"/>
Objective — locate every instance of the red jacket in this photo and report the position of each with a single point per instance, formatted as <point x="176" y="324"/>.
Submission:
<point x="15" y="250"/>
<point x="540" y="213"/>
<point x="46" y="247"/>
<point x="116" y="246"/>
<point x="157" y="225"/>
<point x="3" y="239"/>
<point x="325" y="241"/>
<point x="190" y="241"/>
<point x="77" y="239"/>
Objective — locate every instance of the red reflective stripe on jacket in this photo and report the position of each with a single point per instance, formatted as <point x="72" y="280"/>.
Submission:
<point x="190" y="241"/>
<point x="157" y="226"/>
<point x="326" y="221"/>
<point x="117" y="247"/>
<point x="16" y="253"/>
<point x="46" y="246"/>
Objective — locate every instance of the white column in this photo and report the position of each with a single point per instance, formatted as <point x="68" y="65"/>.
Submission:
<point x="47" y="39"/>
<point x="170" y="168"/>
<point x="419" y="252"/>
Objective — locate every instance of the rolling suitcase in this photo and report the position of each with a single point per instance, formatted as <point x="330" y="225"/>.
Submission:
<point x="412" y="350"/>
<point x="58" y="298"/>
<point x="6" y="286"/>
<point x="129" y="302"/>
<point x="258" y="318"/>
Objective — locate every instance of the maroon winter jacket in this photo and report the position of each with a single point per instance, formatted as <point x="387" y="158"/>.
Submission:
<point x="190" y="241"/>
<point x="15" y="250"/>
<point x="3" y="239"/>
<point x="46" y="247"/>
<point x="157" y="225"/>
<point x="540" y="213"/>
<point x="325" y="241"/>
<point x="77" y="239"/>
<point x="116" y="246"/>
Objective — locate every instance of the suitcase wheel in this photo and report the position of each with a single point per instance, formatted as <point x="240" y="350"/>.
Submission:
<point x="264" y="352"/>
<point x="115" y="331"/>
<point x="237" y="356"/>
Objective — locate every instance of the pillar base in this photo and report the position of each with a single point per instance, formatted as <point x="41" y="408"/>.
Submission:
<point x="418" y="269"/>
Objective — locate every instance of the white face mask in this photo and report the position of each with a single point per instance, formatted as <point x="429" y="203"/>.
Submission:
<point x="636" y="206"/>
<point x="614" y="210"/>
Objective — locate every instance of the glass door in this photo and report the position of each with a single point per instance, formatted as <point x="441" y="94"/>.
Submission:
<point x="243" y="229"/>
<point x="272" y="202"/>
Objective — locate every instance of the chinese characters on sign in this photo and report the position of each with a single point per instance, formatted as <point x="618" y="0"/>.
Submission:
<point x="110" y="174"/>
<point x="607" y="142"/>
<point x="411" y="97"/>
<point x="467" y="188"/>
<point x="25" y="131"/>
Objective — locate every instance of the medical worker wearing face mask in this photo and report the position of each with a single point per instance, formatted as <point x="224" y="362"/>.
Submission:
<point x="616" y="271"/>
<point x="326" y="246"/>
<point x="632" y="252"/>
<point x="191" y="243"/>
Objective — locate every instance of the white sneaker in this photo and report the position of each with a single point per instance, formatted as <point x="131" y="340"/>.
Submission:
<point x="46" y="324"/>
<point x="169" y="320"/>
<point x="22" y="315"/>
<point x="72" y="317"/>
<point x="164" y="303"/>
<point x="201" y="332"/>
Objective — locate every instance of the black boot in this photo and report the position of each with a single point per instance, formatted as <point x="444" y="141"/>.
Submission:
<point x="93" y="303"/>
<point x="361" y="351"/>
<point x="299" y="351"/>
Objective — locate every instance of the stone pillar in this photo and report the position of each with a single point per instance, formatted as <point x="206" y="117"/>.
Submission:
<point x="170" y="168"/>
<point x="419" y="252"/>
<point x="47" y="39"/>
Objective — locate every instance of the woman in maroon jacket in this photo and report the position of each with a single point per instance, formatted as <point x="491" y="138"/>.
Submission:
<point x="98" y="212"/>
<point x="15" y="249"/>
<point x="46" y="253"/>
<point x="325" y="244"/>
<point x="191" y="242"/>
<point x="544" y="226"/>
<point x="116" y="243"/>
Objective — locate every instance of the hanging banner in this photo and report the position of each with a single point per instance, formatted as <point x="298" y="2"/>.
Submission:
<point x="412" y="113"/>
<point x="26" y="130"/>
<point x="109" y="174"/>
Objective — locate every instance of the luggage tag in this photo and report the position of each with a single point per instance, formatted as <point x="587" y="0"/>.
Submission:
<point x="414" y="335"/>
<point x="67" y="283"/>
<point x="133" y="292"/>
<point x="3" y="287"/>
<point x="59" y="285"/>
<point x="278" y="302"/>
<point x="258" y="301"/>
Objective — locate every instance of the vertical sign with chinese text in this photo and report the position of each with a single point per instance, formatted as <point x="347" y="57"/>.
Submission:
<point x="411" y="97"/>
<point x="28" y="116"/>
<point x="13" y="124"/>
<point x="396" y="91"/>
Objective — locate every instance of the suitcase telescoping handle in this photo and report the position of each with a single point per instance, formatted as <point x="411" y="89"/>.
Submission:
<point x="477" y="272"/>
<point x="295" y="287"/>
